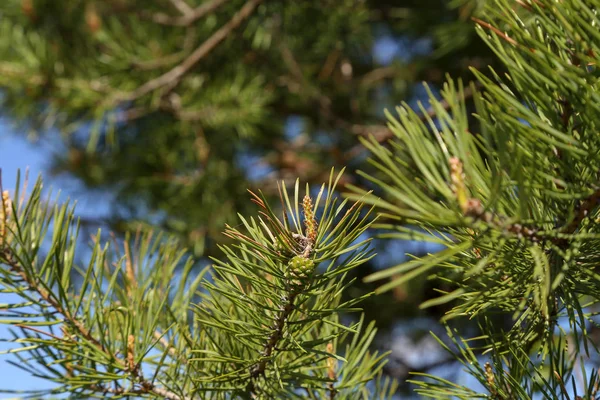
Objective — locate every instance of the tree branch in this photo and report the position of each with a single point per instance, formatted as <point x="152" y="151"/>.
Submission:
<point x="259" y="368"/>
<point x="172" y="77"/>
<point x="379" y="74"/>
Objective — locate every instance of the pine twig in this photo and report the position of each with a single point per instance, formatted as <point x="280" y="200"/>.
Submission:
<point x="472" y="207"/>
<point x="496" y="31"/>
<point x="583" y="210"/>
<point x="286" y="309"/>
<point x="500" y="34"/>
<point x="295" y="287"/>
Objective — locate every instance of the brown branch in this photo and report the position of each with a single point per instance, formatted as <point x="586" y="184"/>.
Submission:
<point x="527" y="6"/>
<point x="48" y="298"/>
<point x="495" y="30"/>
<point x="189" y="15"/>
<point x="158" y="62"/>
<point x="523" y="4"/>
<point x="475" y="209"/>
<point x="500" y="34"/>
<point x="472" y="207"/>
<point x="259" y="368"/>
<point x="329" y="64"/>
<point x="31" y="328"/>
<point x="172" y="77"/>
<point x="160" y="392"/>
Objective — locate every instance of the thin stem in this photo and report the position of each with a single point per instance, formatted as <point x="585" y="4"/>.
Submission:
<point x="259" y="368"/>
<point x="293" y="290"/>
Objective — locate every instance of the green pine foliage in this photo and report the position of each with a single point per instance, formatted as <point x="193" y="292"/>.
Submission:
<point x="513" y="198"/>
<point x="136" y="321"/>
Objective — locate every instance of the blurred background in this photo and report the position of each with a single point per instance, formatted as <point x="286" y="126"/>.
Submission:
<point x="162" y="113"/>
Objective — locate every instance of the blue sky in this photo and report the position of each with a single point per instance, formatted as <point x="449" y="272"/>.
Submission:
<point x="16" y="153"/>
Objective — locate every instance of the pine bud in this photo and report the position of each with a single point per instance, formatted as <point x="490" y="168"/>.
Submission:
<point x="299" y="270"/>
<point x="309" y="219"/>
<point x="457" y="177"/>
<point x="5" y="212"/>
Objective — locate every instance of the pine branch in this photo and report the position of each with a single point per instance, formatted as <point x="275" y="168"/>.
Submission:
<point x="296" y="285"/>
<point x="258" y="369"/>
<point x="147" y="387"/>
<point x="272" y="286"/>
<point x="49" y="298"/>
<point x="472" y="207"/>
<point x="172" y="78"/>
<point x="145" y="390"/>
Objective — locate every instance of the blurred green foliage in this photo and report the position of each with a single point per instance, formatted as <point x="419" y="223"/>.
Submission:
<point x="184" y="151"/>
